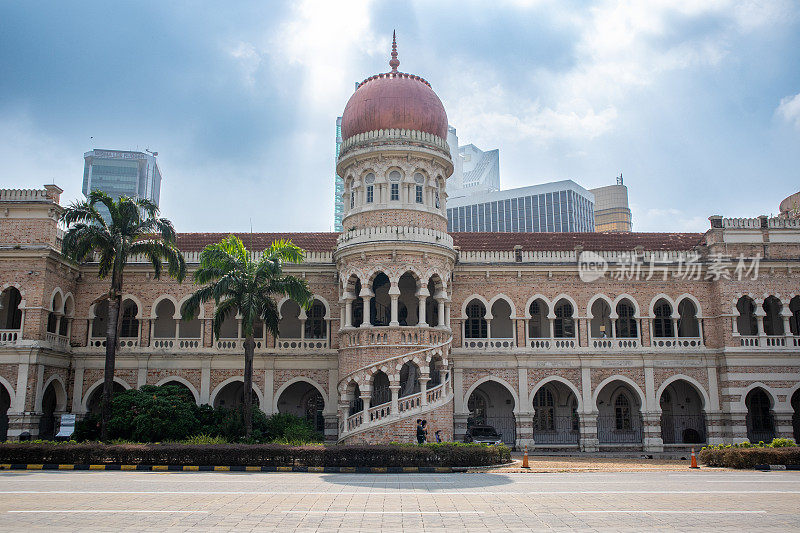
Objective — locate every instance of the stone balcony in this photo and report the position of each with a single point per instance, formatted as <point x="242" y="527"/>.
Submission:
<point x="767" y="343"/>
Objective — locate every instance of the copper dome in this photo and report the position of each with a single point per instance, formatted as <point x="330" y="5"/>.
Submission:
<point x="394" y="100"/>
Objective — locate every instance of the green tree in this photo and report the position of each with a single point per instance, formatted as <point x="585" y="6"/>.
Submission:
<point x="236" y="281"/>
<point x="132" y="228"/>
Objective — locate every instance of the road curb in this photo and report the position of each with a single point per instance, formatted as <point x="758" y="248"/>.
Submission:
<point x="239" y="468"/>
<point x="766" y="468"/>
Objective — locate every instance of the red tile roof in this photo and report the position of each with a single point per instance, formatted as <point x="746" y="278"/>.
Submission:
<point x="326" y="242"/>
<point x="599" y="242"/>
<point x="311" y="242"/>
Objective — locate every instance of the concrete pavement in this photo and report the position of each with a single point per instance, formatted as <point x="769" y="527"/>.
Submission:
<point x="596" y="501"/>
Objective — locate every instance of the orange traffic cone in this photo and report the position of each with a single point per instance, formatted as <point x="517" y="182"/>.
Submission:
<point x="525" y="458"/>
<point x="694" y="461"/>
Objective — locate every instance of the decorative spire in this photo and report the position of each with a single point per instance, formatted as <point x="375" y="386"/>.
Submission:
<point x="394" y="62"/>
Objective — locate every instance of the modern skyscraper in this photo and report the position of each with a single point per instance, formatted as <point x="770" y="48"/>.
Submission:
<point x="611" y="210"/>
<point x="561" y="206"/>
<point x="338" y="188"/>
<point x="474" y="171"/>
<point x="122" y="172"/>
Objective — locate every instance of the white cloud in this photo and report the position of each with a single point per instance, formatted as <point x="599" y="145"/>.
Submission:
<point x="656" y="219"/>
<point x="622" y="47"/>
<point x="789" y="109"/>
<point x="326" y="39"/>
<point x="248" y="58"/>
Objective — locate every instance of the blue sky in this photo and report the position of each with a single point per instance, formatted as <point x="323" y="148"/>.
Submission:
<point x="696" y="103"/>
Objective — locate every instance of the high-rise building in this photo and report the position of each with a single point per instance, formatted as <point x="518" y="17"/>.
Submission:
<point x="338" y="187"/>
<point x="611" y="211"/>
<point x="474" y="171"/>
<point x="560" y="206"/>
<point x="122" y="172"/>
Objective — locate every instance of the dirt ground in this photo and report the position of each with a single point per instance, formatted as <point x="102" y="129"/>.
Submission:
<point x="590" y="464"/>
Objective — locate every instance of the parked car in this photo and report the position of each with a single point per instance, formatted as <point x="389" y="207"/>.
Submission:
<point x="483" y="435"/>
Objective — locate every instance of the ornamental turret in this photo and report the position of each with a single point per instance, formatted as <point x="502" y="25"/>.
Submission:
<point x="394" y="157"/>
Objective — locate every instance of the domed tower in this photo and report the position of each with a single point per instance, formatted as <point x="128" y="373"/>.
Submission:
<point x="395" y="261"/>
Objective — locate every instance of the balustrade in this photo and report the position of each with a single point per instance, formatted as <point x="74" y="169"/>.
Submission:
<point x="490" y="344"/>
<point x="615" y="344"/>
<point x="9" y="336"/>
<point x="296" y="345"/>
<point x="58" y="342"/>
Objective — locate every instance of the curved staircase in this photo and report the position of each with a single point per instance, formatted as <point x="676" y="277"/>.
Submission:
<point x="395" y="420"/>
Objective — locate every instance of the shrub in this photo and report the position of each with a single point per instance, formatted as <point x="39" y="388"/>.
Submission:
<point x="739" y="456"/>
<point x="204" y="439"/>
<point x="450" y="454"/>
<point x="153" y="414"/>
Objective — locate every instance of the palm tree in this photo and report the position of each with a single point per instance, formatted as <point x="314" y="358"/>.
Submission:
<point x="131" y="228"/>
<point x="238" y="283"/>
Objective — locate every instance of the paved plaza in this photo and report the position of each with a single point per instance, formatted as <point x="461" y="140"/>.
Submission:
<point x="592" y="501"/>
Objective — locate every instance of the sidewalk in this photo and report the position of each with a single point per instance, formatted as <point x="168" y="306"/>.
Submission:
<point x="588" y="463"/>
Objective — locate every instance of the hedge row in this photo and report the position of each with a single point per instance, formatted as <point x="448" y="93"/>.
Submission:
<point x="749" y="457"/>
<point x="255" y="454"/>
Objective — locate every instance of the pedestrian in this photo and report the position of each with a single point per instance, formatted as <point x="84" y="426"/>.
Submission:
<point x="424" y="430"/>
<point x="438" y="435"/>
<point x="420" y="432"/>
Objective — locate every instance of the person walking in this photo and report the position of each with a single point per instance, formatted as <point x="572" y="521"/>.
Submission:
<point x="424" y="430"/>
<point x="438" y="435"/>
<point x="420" y="432"/>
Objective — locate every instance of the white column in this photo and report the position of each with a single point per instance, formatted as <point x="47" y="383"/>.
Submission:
<point x="348" y="313"/>
<point x="269" y="390"/>
<point x="205" y="382"/>
<point x="367" y="322"/>
<point x="442" y="319"/>
<point x="394" y="294"/>
<point x="447" y="313"/>
<point x="422" y="294"/>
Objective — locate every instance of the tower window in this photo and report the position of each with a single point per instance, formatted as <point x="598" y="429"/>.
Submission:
<point x="419" y="193"/>
<point x="395" y="191"/>
<point x="436" y="194"/>
<point x="370" y="194"/>
<point x="352" y="199"/>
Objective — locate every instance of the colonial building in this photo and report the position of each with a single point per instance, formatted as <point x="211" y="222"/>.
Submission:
<point x="558" y="340"/>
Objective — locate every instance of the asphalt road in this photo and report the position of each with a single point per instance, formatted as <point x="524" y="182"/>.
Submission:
<point x="633" y="501"/>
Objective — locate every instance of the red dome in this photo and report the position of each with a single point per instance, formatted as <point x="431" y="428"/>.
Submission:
<point x="394" y="100"/>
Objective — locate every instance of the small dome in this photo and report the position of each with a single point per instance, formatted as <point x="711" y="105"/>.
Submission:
<point x="394" y="100"/>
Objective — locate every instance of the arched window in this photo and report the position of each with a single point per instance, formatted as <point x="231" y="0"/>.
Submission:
<point x="564" y="324"/>
<point x="760" y="424"/>
<point x="356" y="403"/>
<point x="370" y="180"/>
<point x="622" y="412"/>
<point x="538" y="325"/>
<point x="394" y="178"/>
<point x="773" y="321"/>
<point x="662" y="323"/>
<point x="601" y="319"/>
<point x="794" y="321"/>
<point x="380" y="305"/>
<point x="10" y="313"/>
<point x="315" y="321"/>
<point x="475" y="325"/>
<point x="130" y="324"/>
<point x="626" y="323"/>
<point x="544" y="407"/>
<point x="55" y="311"/>
<point x="746" y="321"/>
<point x="688" y="324"/>
<point x="380" y="390"/>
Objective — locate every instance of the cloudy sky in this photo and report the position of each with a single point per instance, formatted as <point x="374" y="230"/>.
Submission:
<point x="697" y="103"/>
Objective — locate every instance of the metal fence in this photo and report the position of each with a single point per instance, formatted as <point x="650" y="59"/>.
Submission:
<point x="622" y="430"/>
<point x="760" y="428"/>
<point x="683" y="429"/>
<point x="555" y="429"/>
<point x="506" y="426"/>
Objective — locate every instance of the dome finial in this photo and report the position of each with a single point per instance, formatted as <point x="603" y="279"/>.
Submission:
<point x="394" y="62"/>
